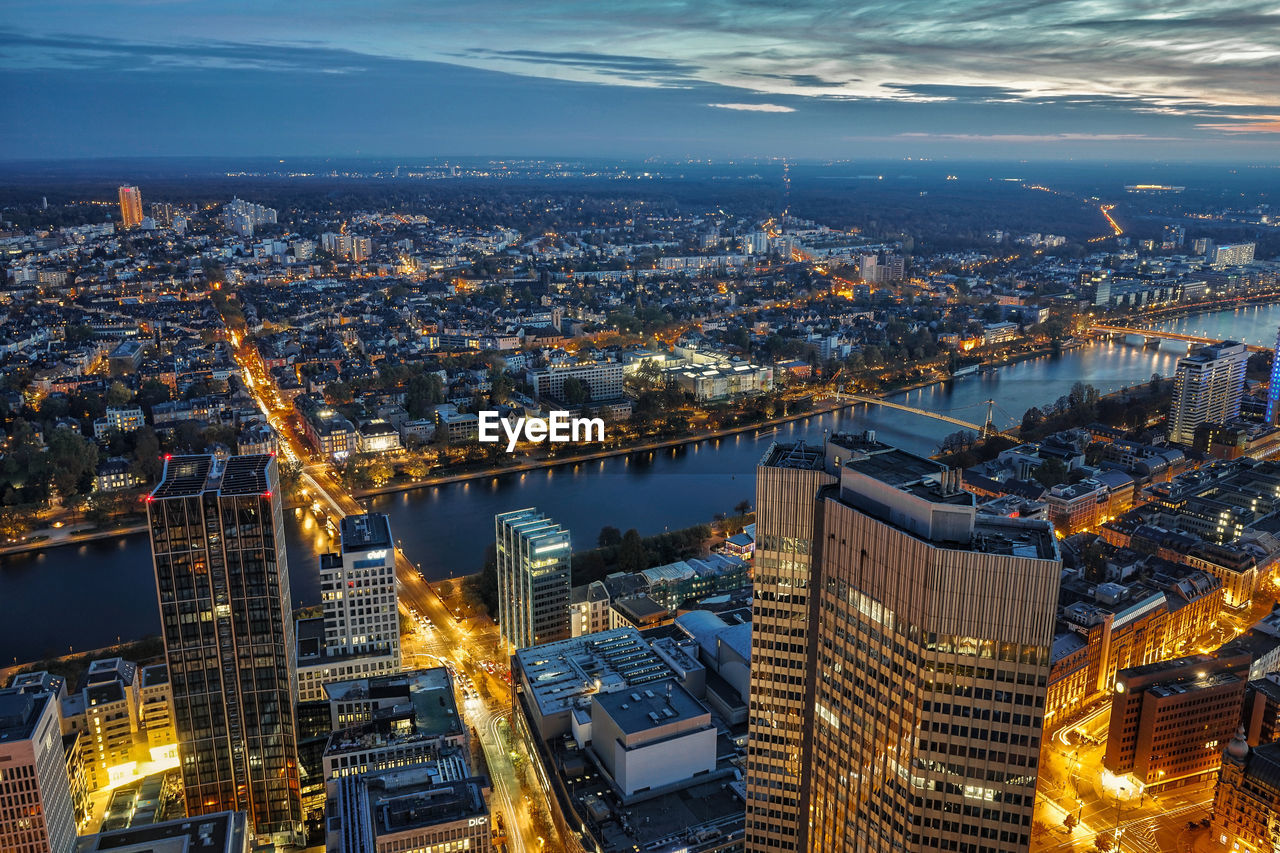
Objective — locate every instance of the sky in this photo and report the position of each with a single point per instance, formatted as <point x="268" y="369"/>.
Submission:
<point x="667" y="79"/>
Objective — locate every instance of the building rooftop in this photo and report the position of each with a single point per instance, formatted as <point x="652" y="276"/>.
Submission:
<point x="797" y="455"/>
<point x="648" y="707"/>
<point x="704" y="816"/>
<point x="423" y="795"/>
<point x="188" y="476"/>
<point x="428" y="691"/>
<point x="223" y="832"/>
<point x="365" y="532"/>
<point x="18" y="715"/>
<point x="155" y="675"/>
<point x="560" y="672"/>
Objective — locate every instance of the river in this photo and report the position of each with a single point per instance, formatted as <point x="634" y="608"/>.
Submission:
<point x="85" y="596"/>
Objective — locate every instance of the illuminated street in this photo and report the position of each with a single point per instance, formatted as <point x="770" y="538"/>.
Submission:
<point x="463" y="646"/>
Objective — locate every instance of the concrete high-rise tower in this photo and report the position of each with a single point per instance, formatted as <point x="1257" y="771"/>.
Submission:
<point x="217" y="540"/>
<point x="900" y="656"/>
<point x="1207" y="389"/>
<point x="359" y="634"/>
<point x="534" y="583"/>
<point x="131" y="206"/>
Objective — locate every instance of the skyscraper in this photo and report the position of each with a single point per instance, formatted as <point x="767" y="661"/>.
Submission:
<point x="217" y="540"/>
<point x="35" y="793"/>
<point x="534" y="583"/>
<point x="900" y="656"/>
<point x="1273" y="390"/>
<point x="1207" y="389"/>
<point x="359" y="634"/>
<point x="131" y="206"/>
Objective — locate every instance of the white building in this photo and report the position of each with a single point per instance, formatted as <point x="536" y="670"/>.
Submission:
<point x="1207" y="388"/>
<point x="1230" y="255"/>
<point x="35" y="794"/>
<point x="652" y="737"/>
<point x="121" y="420"/>
<point x="359" y="634"/>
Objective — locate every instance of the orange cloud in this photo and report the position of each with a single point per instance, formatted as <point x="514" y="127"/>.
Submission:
<point x="1247" y="124"/>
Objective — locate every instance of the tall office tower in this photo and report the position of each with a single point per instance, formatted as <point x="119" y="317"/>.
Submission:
<point x="217" y="540"/>
<point x="359" y="634"/>
<point x="534" y="582"/>
<point x="35" y="793"/>
<point x="787" y="485"/>
<point x="900" y="656"/>
<point x="1273" y="390"/>
<point x="131" y="206"/>
<point x="1207" y="389"/>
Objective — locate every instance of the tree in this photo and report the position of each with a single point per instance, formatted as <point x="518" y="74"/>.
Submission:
<point x="1031" y="418"/>
<point x="445" y="588"/>
<point x="118" y="394"/>
<point x="501" y="386"/>
<point x="610" y="537"/>
<point x="425" y="390"/>
<point x="1052" y="472"/>
<point x="73" y="459"/>
<point x="146" y="456"/>
<point x="743" y="507"/>
<point x="576" y="392"/>
<point x="631" y="553"/>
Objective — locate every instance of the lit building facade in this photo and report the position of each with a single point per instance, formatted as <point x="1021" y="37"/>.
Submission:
<point x="1246" y="804"/>
<point x="900" y="656"/>
<point x="35" y="792"/>
<point x="361" y="622"/>
<point x="217" y="539"/>
<point x="131" y="207"/>
<point x="534" y="583"/>
<point x="1207" y="388"/>
<point x="1171" y="720"/>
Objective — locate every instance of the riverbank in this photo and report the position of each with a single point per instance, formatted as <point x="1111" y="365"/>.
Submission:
<point x="49" y="537"/>
<point x="607" y="453"/>
<point x="1177" y="312"/>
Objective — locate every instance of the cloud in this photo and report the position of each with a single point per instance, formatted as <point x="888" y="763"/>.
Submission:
<point x="1040" y="137"/>
<point x="1246" y="124"/>
<point x="755" y="108"/>
<point x="619" y="67"/>
<point x="1069" y="71"/>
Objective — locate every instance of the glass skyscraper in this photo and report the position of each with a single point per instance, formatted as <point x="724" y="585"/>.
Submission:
<point x="217" y="540"/>
<point x="534" y="579"/>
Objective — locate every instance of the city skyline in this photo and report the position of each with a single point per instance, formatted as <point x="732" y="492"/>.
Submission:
<point x="925" y="78"/>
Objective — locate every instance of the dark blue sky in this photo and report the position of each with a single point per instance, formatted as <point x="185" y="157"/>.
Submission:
<point x="703" y="78"/>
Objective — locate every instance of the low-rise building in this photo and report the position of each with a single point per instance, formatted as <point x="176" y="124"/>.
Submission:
<point x="435" y="806"/>
<point x="115" y="475"/>
<point x="378" y="436"/>
<point x="652" y="738"/>
<point x="118" y="420"/>
<point x="1246" y="804"/>
<point x="421" y="726"/>
<point x="221" y="832"/>
<point x="1169" y="720"/>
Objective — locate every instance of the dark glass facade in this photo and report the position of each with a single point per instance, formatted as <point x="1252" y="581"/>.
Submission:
<point x="217" y="539"/>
